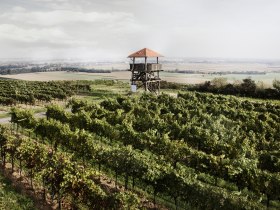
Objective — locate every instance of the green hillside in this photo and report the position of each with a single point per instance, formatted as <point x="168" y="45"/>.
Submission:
<point x="186" y="151"/>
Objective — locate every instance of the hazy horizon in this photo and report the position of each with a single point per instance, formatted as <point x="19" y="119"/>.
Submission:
<point x="111" y="30"/>
<point x="127" y="60"/>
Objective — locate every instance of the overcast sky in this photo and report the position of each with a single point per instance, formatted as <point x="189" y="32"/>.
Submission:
<point x="109" y="29"/>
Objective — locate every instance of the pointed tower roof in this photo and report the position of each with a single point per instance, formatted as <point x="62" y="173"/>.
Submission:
<point x="145" y="52"/>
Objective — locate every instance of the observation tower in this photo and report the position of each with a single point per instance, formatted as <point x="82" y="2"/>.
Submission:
<point x="145" y="73"/>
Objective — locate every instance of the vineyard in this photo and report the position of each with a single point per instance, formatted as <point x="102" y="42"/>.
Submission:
<point x="28" y="92"/>
<point x="196" y="151"/>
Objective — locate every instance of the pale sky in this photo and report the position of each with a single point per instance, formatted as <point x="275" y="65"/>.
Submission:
<point x="112" y="29"/>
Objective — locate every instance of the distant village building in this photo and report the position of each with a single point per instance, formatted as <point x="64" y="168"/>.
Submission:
<point x="145" y="73"/>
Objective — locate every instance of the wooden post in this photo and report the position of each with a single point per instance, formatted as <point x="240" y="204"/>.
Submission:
<point x="146" y="78"/>
<point x="157" y="69"/>
<point x="132" y="72"/>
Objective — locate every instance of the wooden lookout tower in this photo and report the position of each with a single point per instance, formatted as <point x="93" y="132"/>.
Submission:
<point x="144" y="72"/>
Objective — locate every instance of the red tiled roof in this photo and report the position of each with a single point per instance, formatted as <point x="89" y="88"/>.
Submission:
<point x="145" y="52"/>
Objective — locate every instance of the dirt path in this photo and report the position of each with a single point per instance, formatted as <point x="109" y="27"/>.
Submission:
<point x="5" y="120"/>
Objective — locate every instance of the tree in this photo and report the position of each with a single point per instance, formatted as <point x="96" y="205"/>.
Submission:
<point x="248" y="86"/>
<point x="276" y="84"/>
<point x="219" y="82"/>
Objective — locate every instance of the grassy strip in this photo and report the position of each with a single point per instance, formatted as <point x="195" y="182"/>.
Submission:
<point x="11" y="198"/>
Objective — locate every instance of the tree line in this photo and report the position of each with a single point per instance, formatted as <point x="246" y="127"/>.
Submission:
<point x="246" y="88"/>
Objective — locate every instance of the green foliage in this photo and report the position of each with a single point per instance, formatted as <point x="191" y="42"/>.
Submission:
<point x="22" y="117"/>
<point x="247" y="88"/>
<point x="62" y="176"/>
<point x="210" y="151"/>
<point x="276" y="84"/>
<point x="133" y="126"/>
<point x="219" y="82"/>
<point x="29" y="92"/>
<point x="125" y="200"/>
<point x="11" y="198"/>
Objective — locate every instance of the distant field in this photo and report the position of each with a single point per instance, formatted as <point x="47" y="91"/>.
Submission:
<point x="61" y="75"/>
<point x="202" y="66"/>
<point x="125" y="75"/>
<point x="198" y="78"/>
<point x="223" y="67"/>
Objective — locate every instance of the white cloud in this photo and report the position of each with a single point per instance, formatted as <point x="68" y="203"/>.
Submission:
<point x="65" y="33"/>
<point x="42" y="36"/>
<point x="51" y="0"/>
<point x="18" y="9"/>
<point x="191" y="28"/>
<point x="58" y="17"/>
<point x="61" y="26"/>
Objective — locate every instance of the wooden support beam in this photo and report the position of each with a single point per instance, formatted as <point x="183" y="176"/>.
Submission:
<point x="146" y="76"/>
